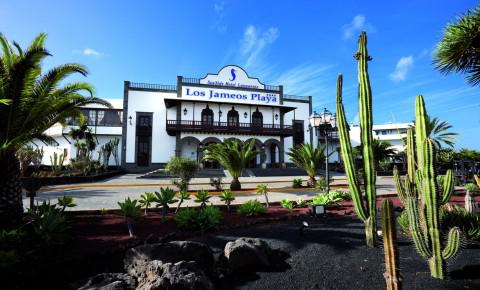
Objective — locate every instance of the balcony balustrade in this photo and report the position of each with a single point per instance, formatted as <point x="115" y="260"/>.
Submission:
<point x="174" y="126"/>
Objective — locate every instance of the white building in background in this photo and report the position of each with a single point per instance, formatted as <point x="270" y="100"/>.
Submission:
<point x="161" y="121"/>
<point x="105" y="123"/>
<point x="391" y="132"/>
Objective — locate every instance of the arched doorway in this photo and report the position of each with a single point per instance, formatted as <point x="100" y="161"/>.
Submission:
<point x="259" y="158"/>
<point x="232" y="118"/>
<point x="272" y="150"/>
<point x="209" y="164"/>
<point x="189" y="148"/>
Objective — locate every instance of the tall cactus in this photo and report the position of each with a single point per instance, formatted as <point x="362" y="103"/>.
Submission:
<point x="390" y="246"/>
<point x="366" y="211"/>
<point x="422" y="198"/>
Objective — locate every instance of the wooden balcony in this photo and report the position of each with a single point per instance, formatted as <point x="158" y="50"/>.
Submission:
<point x="174" y="126"/>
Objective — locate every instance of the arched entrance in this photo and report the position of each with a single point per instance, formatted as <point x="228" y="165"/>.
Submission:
<point x="272" y="150"/>
<point x="208" y="164"/>
<point x="259" y="159"/>
<point x="189" y="148"/>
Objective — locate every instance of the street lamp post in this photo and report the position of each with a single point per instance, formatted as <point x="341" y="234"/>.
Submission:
<point x="327" y="120"/>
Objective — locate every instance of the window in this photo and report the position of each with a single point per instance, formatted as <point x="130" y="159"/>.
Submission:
<point x="257" y="119"/>
<point x="207" y="116"/>
<point x="298" y="132"/>
<point x="144" y="121"/>
<point x="232" y="118"/>
<point x="92" y="117"/>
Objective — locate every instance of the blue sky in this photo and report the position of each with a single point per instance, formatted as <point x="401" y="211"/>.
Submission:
<point x="300" y="44"/>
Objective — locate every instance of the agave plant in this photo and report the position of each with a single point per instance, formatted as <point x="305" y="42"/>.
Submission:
<point x="309" y="159"/>
<point x="66" y="201"/>
<point x="146" y="200"/>
<point x="130" y="209"/>
<point x="165" y="197"/>
<point x="184" y="195"/>
<point x="234" y="156"/>
<point x="227" y="197"/>
<point x="35" y="101"/>
<point x="202" y="197"/>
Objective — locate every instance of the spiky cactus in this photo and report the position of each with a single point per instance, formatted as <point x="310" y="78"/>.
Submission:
<point x="57" y="161"/>
<point x="366" y="211"/>
<point x="422" y="198"/>
<point x="390" y="246"/>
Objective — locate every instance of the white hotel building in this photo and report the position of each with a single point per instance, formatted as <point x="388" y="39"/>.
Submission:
<point x="161" y="121"/>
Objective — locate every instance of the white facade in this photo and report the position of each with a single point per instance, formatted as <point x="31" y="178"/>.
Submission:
<point x="163" y="121"/>
<point x="391" y="132"/>
<point x="104" y="132"/>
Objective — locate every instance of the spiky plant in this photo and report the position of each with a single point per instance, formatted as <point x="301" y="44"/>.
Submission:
<point x="390" y="249"/>
<point x="308" y="158"/>
<point x="146" y="200"/>
<point x="130" y="209"/>
<point x="263" y="189"/>
<point x="184" y="195"/>
<point x="422" y="196"/>
<point x="365" y="210"/>
<point x="202" y="197"/>
<point x="234" y="156"/>
<point x="227" y="197"/>
<point x="163" y="198"/>
<point x="459" y="49"/>
<point x="35" y="101"/>
<point x="470" y="204"/>
<point x="66" y="201"/>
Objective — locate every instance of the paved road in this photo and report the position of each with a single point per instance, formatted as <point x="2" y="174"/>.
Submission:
<point x="106" y="194"/>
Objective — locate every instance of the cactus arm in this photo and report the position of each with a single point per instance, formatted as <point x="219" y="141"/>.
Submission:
<point x="409" y="188"/>
<point x="420" y="129"/>
<point x="411" y="154"/>
<point x="447" y="186"/>
<point x="390" y="246"/>
<point x="417" y="235"/>
<point x="453" y="244"/>
<point x="347" y="154"/>
<point x="399" y="185"/>
<point x="366" y="124"/>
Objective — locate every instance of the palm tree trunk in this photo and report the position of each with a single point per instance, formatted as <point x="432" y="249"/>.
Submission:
<point x="178" y="205"/>
<point x="11" y="205"/>
<point x="312" y="181"/>
<point x="235" y="184"/>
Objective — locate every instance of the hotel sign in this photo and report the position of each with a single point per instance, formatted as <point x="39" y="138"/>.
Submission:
<point x="230" y="95"/>
<point x="232" y="76"/>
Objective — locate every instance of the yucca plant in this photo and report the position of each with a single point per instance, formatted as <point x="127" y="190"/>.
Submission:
<point x="130" y="209"/>
<point x="202" y="197"/>
<point x="227" y="197"/>
<point x="163" y="198"/>
<point x="470" y="204"/>
<point x="35" y="101"/>
<point x="308" y="158"/>
<point x="146" y="200"/>
<point x="66" y="201"/>
<point x="263" y="189"/>
<point x="234" y="156"/>
<point x="286" y="203"/>
<point x="184" y="195"/>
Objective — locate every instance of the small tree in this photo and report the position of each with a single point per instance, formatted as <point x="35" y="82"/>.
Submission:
<point x="202" y="197"/>
<point x="184" y="168"/>
<point x="309" y="159"/>
<point x="184" y="195"/>
<point x="165" y="197"/>
<point x="227" y="197"/>
<point x="263" y="189"/>
<point x="130" y="210"/>
<point x="146" y="200"/>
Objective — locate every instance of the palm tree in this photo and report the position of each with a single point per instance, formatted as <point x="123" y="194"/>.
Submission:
<point x="382" y="150"/>
<point x="234" y="156"/>
<point x="308" y="158"/>
<point x="459" y="49"/>
<point x="437" y="131"/>
<point x="35" y="102"/>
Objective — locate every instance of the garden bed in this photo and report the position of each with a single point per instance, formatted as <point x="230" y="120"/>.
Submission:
<point x="59" y="180"/>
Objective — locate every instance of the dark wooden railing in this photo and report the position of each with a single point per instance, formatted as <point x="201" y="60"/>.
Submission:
<point x="225" y="127"/>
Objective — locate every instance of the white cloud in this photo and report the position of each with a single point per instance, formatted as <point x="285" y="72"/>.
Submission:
<point x="254" y="42"/>
<point x="357" y="25"/>
<point x="88" y="52"/>
<point x="219" y="9"/>
<point x="404" y="64"/>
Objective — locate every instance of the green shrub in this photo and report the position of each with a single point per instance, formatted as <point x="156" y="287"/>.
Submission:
<point x="286" y="203"/>
<point x="263" y="189"/>
<point x="10" y="248"/>
<point x="470" y="187"/>
<point x="198" y="219"/>
<point x="227" y="197"/>
<point x="202" y="197"/>
<point x="49" y="223"/>
<point x="457" y="216"/>
<point x="146" y="200"/>
<point x="301" y="202"/>
<point x="297" y="183"/>
<point x="252" y="208"/>
<point x="165" y="197"/>
<point x="333" y="197"/>
<point x="321" y="184"/>
<point x="66" y="201"/>
<point x="184" y="168"/>
<point x="402" y="221"/>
